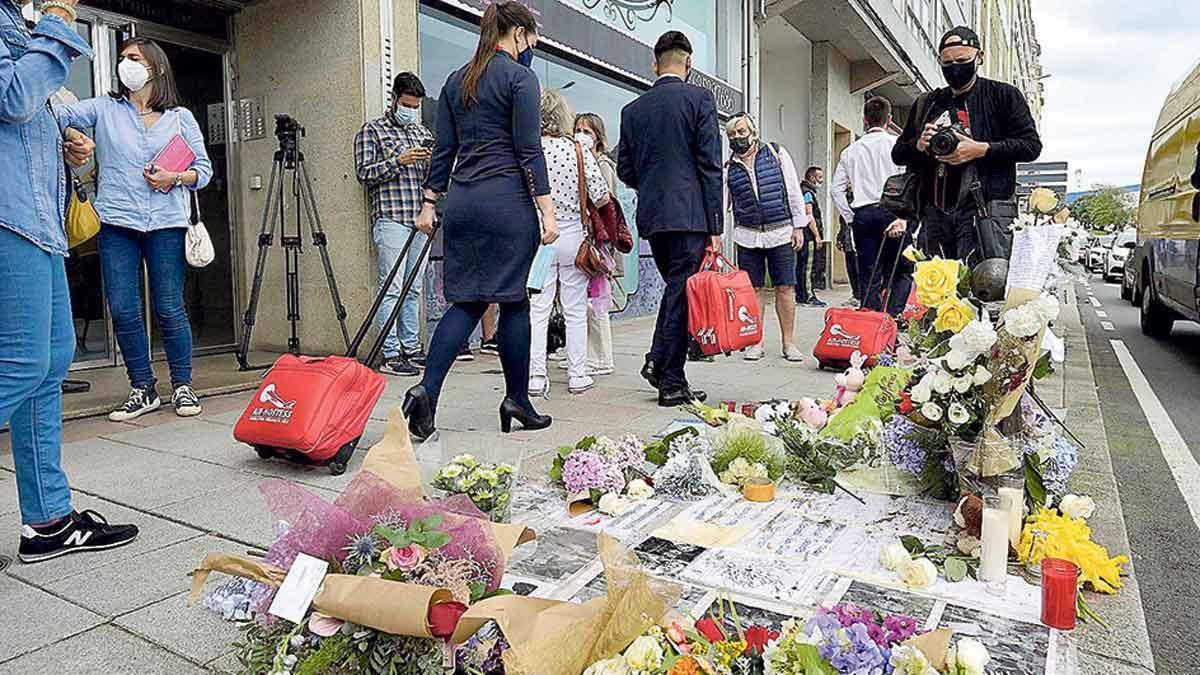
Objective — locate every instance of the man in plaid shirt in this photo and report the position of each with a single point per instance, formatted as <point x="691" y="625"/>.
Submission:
<point x="391" y="158"/>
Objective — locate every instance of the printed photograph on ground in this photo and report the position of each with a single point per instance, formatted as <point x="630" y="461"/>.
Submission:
<point x="1017" y="647"/>
<point x="664" y="558"/>
<point x="560" y="553"/>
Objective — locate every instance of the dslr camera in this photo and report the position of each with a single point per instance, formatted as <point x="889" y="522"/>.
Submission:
<point x="945" y="141"/>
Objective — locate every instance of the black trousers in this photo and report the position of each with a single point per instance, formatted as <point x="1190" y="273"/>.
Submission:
<point x="677" y="255"/>
<point x="804" y="283"/>
<point x="875" y="248"/>
<point x="950" y="235"/>
<point x="852" y="264"/>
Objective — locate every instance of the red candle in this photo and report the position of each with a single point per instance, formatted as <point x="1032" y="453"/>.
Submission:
<point x="748" y="409"/>
<point x="730" y="406"/>
<point x="1060" y="583"/>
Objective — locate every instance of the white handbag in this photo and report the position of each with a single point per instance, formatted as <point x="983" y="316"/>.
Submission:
<point x="198" y="247"/>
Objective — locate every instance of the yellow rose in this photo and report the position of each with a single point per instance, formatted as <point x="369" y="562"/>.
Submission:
<point x="937" y="281"/>
<point x="1043" y="201"/>
<point x="953" y="315"/>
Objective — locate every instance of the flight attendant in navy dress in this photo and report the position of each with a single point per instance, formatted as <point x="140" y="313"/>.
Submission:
<point x="489" y="163"/>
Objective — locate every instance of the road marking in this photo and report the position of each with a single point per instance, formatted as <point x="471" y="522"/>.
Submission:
<point x="1095" y="301"/>
<point x="1102" y="314"/>
<point x="1107" y="325"/>
<point x="1179" y="458"/>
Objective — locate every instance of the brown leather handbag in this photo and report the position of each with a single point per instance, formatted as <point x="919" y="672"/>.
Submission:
<point x="588" y="259"/>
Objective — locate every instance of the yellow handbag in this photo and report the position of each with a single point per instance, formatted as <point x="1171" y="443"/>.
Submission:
<point x="83" y="222"/>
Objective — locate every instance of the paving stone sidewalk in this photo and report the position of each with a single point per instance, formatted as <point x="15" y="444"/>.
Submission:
<point x="192" y="489"/>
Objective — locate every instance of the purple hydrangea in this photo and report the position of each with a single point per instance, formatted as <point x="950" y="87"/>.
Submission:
<point x="903" y="451"/>
<point x="630" y="454"/>
<point x="586" y="470"/>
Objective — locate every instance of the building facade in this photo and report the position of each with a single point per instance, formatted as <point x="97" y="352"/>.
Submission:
<point x="1053" y="175"/>
<point x="1011" y="49"/>
<point x="803" y="67"/>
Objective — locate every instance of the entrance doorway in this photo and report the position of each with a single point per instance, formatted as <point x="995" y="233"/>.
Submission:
<point x="199" y="65"/>
<point x="842" y="138"/>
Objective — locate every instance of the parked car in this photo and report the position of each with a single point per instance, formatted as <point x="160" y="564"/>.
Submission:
<point x="1166" y="281"/>
<point x="1098" y="252"/>
<point x="1114" y="260"/>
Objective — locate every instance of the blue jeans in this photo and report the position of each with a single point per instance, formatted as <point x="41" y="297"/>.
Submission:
<point x="122" y="254"/>
<point x="389" y="242"/>
<point x="37" y="344"/>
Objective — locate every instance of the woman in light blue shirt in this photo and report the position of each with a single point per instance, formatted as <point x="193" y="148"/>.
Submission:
<point x="145" y="211"/>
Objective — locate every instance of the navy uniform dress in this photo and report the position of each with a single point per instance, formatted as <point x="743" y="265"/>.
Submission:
<point x="487" y="156"/>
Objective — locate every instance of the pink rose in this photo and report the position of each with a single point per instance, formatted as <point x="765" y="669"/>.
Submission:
<point x="324" y="626"/>
<point x="679" y="638"/>
<point x="406" y="558"/>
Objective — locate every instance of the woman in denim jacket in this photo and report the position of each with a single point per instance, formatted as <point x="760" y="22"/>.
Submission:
<point x="145" y="211"/>
<point x="37" y="336"/>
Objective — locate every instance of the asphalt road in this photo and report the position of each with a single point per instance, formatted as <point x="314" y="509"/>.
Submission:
<point x="1164" y="537"/>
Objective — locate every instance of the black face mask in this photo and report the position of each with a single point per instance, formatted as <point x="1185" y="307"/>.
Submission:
<point x="739" y="145"/>
<point x="959" y="75"/>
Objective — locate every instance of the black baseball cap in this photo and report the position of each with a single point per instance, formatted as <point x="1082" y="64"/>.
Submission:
<point x="671" y="41"/>
<point x="960" y="36"/>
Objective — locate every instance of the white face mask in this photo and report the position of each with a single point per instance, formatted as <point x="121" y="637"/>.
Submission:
<point x="406" y="115"/>
<point x="133" y="75"/>
<point x="585" y="140"/>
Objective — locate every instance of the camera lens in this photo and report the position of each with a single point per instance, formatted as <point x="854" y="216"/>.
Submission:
<point x="943" y="142"/>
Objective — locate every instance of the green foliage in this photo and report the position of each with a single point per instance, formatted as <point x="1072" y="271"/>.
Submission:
<point x="561" y="455"/>
<point x="953" y="565"/>
<point x="1044" y="367"/>
<point x="422" y="532"/>
<point x="813" y="459"/>
<point x="750" y="445"/>
<point x="255" y="649"/>
<point x="1104" y="209"/>
<point x="335" y="653"/>
<point x="1035" y="484"/>
<point x="656" y="451"/>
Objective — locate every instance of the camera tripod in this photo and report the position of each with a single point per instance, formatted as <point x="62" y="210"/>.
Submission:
<point x="288" y="158"/>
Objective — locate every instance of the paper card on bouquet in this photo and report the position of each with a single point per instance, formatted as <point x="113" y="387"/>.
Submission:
<point x="299" y="588"/>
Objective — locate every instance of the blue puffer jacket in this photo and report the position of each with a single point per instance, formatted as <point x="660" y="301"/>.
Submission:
<point x="770" y="205"/>
<point x="32" y="176"/>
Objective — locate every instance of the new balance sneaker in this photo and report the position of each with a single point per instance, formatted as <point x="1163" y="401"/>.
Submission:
<point x="141" y="401"/>
<point x="579" y="385"/>
<point x="80" y="531"/>
<point x="539" y="385"/>
<point x="399" y="366"/>
<point x="185" y="400"/>
<point x="465" y="355"/>
<point x="599" y="371"/>
<point x="490" y="347"/>
<point x="416" y="358"/>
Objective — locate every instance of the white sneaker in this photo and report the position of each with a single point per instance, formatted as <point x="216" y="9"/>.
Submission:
<point x="578" y="385"/>
<point x="141" y="401"/>
<point x="793" y="354"/>
<point x="539" y="386"/>
<point x="186" y="403"/>
<point x="597" y="371"/>
<point x="754" y="353"/>
<point x="564" y="364"/>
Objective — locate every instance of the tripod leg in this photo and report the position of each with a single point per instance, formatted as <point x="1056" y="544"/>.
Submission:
<point x="309" y="201"/>
<point x="265" y="237"/>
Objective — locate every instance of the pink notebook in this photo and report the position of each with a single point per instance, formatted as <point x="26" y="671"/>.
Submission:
<point x="177" y="157"/>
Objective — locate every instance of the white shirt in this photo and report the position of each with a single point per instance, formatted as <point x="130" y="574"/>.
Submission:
<point x="562" y="165"/>
<point x="748" y="237"/>
<point x="865" y="166"/>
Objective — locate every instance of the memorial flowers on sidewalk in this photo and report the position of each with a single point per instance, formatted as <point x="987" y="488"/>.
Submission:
<point x="599" y="467"/>
<point x="1061" y="536"/>
<point x="489" y="486"/>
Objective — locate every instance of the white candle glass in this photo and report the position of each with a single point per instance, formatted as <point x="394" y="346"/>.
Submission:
<point x="1014" y="491"/>
<point x="993" y="567"/>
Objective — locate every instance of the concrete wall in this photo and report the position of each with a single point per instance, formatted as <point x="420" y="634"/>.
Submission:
<point x="331" y="87"/>
<point x="787" y="90"/>
<point x="832" y="104"/>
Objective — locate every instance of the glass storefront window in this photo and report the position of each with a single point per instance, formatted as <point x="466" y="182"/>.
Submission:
<point x="697" y="18"/>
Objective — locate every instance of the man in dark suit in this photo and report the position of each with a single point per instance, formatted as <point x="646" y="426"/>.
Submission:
<point x="670" y="152"/>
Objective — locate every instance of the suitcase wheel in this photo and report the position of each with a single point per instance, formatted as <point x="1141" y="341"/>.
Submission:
<point x="264" y="452"/>
<point x="341" y="461"/>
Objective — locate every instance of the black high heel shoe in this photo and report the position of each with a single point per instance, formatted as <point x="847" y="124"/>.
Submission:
<point x="530" y="421"/>
<point x="418" y="410"/>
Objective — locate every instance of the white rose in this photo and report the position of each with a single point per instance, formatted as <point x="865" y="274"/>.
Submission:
<point x="958" y="413"/>
<point x="739" y="466"/>
<point x="1076" y="507"/>
<point x="894" y="556"/>
<point x="909" y="660"/>
<point x="931" y="411"/>
<point x="644" y="654"/>
<point x="1047" y="307"/>
<point x="982" y="376"/>
<point x="613" y="504"/>
<point x="1023" y="321"/>
<point x="465" y="460"/>
<point x="452" y="471"/>
<point x="962" y="384"/>
<point x="959" y="358"/>
<point x="639" y="489"/>
<point x="614" y="666"/>
<point x="969" y="655"/>
<point x="919" y="573"/>
<point x="921" y="393"/>
<point x="976" y="338"/>
<point x="942" y="382"/>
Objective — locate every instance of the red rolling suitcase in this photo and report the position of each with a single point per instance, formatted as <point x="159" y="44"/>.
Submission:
<point x="313" y="410"/>
<point x="848" y="330"/>
<point x="723" y="312"/>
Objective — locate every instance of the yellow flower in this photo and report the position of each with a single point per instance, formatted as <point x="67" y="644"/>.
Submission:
<point x="913" y="254"/>
<point x="937" y="281"/>
<point x="1070" y="539"/>
<point x="953" y="315"/>
<point x="1043" y="201"/>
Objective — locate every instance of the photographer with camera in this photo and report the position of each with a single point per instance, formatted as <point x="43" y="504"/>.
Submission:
<point x="391" y="159"/>
<point x="964" y="142"/>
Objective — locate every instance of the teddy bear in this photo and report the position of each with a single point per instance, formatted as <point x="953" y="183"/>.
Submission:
<point x="812" y="413"/>
<point x="850" y="382"/>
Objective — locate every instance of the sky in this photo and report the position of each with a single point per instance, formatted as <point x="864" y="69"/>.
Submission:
<point x="1112" y="63"/>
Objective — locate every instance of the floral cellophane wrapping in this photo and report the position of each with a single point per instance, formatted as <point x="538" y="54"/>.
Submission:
<point x="994" y="454"/>
<point x="549" y="637"/>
